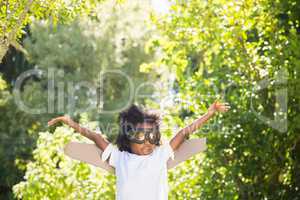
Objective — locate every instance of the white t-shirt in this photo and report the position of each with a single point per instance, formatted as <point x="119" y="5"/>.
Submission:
<point x="140" y="176"/>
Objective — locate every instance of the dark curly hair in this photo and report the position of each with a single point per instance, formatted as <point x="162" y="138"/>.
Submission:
<point x="129" y="118"/>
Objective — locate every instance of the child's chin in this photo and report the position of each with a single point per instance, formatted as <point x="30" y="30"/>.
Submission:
<point x="147" y="151"/>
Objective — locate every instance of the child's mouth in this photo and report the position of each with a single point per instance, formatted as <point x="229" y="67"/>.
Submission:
<point x="148" y="150"/>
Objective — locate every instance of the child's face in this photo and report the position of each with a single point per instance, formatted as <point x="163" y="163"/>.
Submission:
<point x="145" y="148"/>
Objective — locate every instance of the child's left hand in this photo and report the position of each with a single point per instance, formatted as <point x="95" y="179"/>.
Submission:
<point x="218" y="107"/>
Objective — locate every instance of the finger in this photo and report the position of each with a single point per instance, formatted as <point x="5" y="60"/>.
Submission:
<point x="51" y="122"/>
<point x="216" y="101"/>
<point x="225" y="108"/>
<point x="225" y="104"/>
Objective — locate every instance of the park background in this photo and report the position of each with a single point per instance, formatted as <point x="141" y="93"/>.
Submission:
<point x="180" y="56"/>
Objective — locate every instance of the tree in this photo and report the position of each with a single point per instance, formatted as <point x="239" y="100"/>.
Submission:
<point x="53" y="175"/>
<point x="15" y="15"/>
<point x="92" y="45"/>
<point x="106" y="39"/>
<point x="247" y="53"/>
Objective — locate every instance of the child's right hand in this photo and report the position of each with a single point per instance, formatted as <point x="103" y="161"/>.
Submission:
<point x="65" y="119"/>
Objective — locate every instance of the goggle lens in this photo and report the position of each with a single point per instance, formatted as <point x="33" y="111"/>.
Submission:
<point x="139" y="136"/>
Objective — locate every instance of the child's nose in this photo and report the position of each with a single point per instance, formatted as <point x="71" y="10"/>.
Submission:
<point x="147" y="142"/>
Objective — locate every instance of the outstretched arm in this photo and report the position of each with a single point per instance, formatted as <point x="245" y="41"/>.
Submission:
<point x="180" y="136"/>
<point x="99" y="140"/>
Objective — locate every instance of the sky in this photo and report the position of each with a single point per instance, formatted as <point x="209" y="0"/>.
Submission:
<point x="161" y="6"/>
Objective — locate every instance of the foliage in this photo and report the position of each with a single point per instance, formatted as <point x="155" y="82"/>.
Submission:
<point x="88" y="44"/>
<point x="53" y="175"/>
<point x="244" y="52"/>
<point x="16" y="139"/>
<point x="109" y="41"/>
<point x="15" y="15"/>
<point x="247" y="53"/>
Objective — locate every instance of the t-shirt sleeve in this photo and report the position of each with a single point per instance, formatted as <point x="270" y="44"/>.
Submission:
<point x="166" y="152"/>
<point x="113" y="153"/>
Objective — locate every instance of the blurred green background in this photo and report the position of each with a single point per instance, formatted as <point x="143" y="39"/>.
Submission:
<point x="173" y="56"/>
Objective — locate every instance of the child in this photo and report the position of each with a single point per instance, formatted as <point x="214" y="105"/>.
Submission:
<point x="140" y="158"/>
